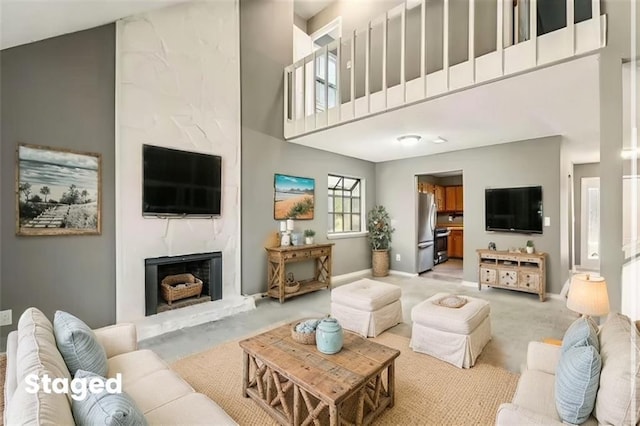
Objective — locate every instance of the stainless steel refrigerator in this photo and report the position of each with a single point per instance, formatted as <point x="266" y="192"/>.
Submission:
<point x="426" y="231"/>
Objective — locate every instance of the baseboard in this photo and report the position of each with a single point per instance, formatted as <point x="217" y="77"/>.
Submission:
<point x="402" y="273"/>
<point x="556" y="296"/>
<point x="470" y="284"/>
<point x="350" y="276"/>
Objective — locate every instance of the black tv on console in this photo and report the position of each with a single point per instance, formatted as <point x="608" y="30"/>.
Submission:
<point x="514" y="209"/>
<point x="180" y="183"/>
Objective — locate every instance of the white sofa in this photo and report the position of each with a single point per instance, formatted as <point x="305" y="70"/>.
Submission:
<point x="618" y="398"/>
<point x="160" y="394"/>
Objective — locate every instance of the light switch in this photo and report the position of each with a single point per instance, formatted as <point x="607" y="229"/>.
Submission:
<point x="547" y="221"/>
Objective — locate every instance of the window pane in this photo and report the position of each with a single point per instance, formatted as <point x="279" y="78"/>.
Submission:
<point x="355" y="222"/>
<point x="356" y="190"/>
<point x="346" y="203"/>
<point x="337" y="193"/>
<point x="330" y="223"/>
<point x="320" y="101"/>
<point x="333" y="181"/>
<point x="347" y="222"/>
<point x="330" y="207"/>
<point x="355" y="205"/>
<point x="338" y="223"/>
<point x="333" y="67"/>
<point x="338" y="205"/>
<point x="332" y="97"/>
<point x="320" y="66"/>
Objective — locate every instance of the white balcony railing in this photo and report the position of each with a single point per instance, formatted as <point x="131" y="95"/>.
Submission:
<point x="426" y="48"/>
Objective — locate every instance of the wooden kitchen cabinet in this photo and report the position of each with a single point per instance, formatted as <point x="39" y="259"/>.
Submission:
<point x="450" y="198"/>
<point x="453" y="201"/>
<point x="439" y="195"/>
<point x="455" y="246"/>
<point x="459" y="199"/>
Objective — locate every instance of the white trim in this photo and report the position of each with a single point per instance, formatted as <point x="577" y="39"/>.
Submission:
<point x="345" y="235"/>
<point x="469" y="283"/>
<point x="555" y="296"/>
<point x="402" y="273"/>
<point x="350" y="276"/>
<point x="363" y="209"/>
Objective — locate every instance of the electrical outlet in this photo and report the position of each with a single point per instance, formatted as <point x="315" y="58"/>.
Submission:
<point x="5" y="317"/>
<point x="398" y="257"/>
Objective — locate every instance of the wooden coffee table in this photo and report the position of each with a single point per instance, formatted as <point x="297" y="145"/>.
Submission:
<point x="297" y="384"/>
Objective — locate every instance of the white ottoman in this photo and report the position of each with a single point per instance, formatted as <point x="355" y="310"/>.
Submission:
<point x="367" y="307"/>
<point x="454" y="335"/>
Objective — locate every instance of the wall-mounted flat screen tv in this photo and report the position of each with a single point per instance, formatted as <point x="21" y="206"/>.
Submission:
<point x="514" y="209"/>
<point x="180" y="183"/>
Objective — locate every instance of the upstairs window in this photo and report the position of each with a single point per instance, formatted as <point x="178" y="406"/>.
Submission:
<point x="345" y="204"/>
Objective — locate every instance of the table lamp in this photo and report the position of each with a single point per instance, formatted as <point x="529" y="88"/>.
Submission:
<point x="588" y="295"/>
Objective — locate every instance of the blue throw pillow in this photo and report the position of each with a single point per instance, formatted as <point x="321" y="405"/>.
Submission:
<point x="583" y="331"/>
<point x="78" y="345"/>
<point x="104" y="408"/>
<point x="577" y="380"/>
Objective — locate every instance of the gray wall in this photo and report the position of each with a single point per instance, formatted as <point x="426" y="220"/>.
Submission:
<point x="264" y="54"/>
<point x="60" y="93"/>
<point x="533" y="162"/>
<point x="580" y="171"/>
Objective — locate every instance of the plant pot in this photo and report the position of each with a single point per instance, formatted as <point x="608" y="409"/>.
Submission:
<point x="380" y="263"/>
<point x="530" y="250"/>
<point x="308" y="240"/>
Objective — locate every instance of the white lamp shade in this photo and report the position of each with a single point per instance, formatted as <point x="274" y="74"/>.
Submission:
<point x="283" y="226"/>
<point x="289" y="224"/>
<point x="588" y="295"/>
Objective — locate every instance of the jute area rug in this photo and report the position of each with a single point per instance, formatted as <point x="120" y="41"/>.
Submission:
<point x="428" y="391"/>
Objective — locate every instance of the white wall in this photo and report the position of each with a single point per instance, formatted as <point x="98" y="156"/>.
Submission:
<point x="178" y="85"/>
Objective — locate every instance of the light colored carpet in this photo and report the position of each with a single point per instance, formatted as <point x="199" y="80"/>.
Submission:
<point x="428" y="391"/>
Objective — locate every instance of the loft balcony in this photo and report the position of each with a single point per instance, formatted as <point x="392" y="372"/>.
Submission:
<point x="424" y="49"/>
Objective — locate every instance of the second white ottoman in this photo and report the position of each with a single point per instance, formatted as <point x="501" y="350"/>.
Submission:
<point x="367" y="307"/>
<point x="454" y="335"/>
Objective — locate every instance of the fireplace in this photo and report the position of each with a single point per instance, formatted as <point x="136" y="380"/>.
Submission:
<point x="205" y="266"/>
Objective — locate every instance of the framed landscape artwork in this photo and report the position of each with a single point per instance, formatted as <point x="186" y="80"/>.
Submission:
<point x="58" y="191"/>
<point x="293" y="197"/>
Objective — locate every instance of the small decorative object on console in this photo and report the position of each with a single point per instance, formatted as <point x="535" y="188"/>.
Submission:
<point x="308" y="236"/>
<point x="530" y="247"/>
<point x="492" y="245"/>
<point x="329" y="336"/>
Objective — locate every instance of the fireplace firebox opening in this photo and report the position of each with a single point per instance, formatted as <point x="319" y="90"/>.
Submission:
<point x="205" y="267"/>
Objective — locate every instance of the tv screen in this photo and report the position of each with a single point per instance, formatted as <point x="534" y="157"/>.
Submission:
<point x="180" y="183"/>
<point x="514" y="209"/>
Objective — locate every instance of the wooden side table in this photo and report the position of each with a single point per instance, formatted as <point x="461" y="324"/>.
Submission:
<point x="279" y="257"/>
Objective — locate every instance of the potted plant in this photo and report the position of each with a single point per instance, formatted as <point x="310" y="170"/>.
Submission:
<point x="308" y="236"/>
<point x="530" y="247"/>
<point x="380" y="230"/>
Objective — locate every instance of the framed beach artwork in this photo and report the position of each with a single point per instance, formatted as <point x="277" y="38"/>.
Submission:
<point x="58" y="191"/>
<point x="293" y="197"/>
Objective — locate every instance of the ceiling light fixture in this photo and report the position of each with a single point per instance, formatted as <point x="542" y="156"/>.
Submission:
<point x="409" y="140"/>
<point x="628" y="153"/>
<point x="439" y="140"/>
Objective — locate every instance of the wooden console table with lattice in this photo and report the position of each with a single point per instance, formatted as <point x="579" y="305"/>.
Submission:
<point x="279" y="257"/>
<point x="298" y="385"/>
